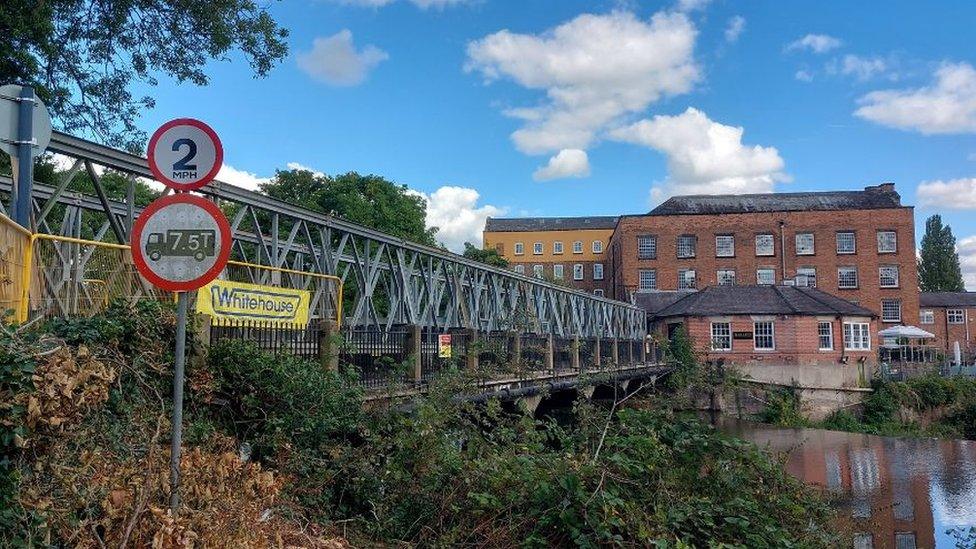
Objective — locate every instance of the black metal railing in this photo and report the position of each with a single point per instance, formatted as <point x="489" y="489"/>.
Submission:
<point x="378" y="356"/>
<point x="279" y="339"/>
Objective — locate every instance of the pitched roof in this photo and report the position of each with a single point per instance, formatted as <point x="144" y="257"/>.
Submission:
<point x="520" y="224"/>
<point x="652" y="302"/>
<point x="760" y="300"/>
<point x="871" y="198"/>
<point x="947" y="299"/>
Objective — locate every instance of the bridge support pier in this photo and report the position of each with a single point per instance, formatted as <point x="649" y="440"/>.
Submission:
<point x="630" y="353"/>
<point x="414" y="352"/>
<point x="643" y="351"/>
<point x="328" y="351"/>
<point x="529" y="404"/>
<point x="550" y="358"/>
<point x="574" y="355"/>
<point x="615" y="352"/>
<point x="597" y="352"/>
<point x="471" y="360"/>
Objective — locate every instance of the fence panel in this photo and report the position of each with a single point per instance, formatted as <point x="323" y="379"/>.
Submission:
<point x="275" y="338"/>
<point x="379" y="357"/>
<point x="14" y="245"/>
<point x="534" y="350"/>
<point x="563" y="349"/>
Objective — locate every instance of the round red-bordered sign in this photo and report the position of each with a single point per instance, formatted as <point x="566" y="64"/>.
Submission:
<point x="185" y="154"/>
<point x="189" y="223"/>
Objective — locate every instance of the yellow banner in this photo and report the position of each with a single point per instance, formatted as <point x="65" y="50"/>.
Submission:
<point x="225" y="300"/>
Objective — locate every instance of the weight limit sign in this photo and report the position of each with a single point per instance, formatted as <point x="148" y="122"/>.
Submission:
<point x="181" y="242"/>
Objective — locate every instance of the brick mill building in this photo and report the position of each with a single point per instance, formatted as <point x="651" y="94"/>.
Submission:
<point x="571" y="250"/>
<point x="951" y="317"/>
<point x="857" y="245"/>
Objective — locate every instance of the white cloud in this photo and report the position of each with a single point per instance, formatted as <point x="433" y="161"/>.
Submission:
<point x="456" y="214"/>
<point x="967" y="260"/>
<point x="691" y="5"/>
<point x="734" y="29"/>
<point x="956" y="194"/>
<point x="594" y="69"/>
<point x="240" y="178"/>
<point x="705" y="157"/>
<point x="301" y="167"/>
<point x="946" y="106"/>
<point x="817" y="43"/>
<point x="335" y="61"/>
<point x="804" y="75"/>
<point x="566" y="163"/>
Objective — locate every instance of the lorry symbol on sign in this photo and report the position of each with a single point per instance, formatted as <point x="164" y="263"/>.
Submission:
<point x="196" y="243"/>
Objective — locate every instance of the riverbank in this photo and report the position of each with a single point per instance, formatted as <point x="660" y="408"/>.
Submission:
<point x="280" y="452"/>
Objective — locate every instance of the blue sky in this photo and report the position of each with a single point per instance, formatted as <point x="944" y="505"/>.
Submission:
<point x="534" y="107"/>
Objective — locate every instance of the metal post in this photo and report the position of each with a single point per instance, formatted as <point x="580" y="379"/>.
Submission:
<point x="177" y="422"/>
<point x="25" y="158"/>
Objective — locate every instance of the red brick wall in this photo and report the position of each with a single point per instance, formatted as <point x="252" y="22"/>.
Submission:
<point x="824" y="225"/>
<point x="965" y="333"/>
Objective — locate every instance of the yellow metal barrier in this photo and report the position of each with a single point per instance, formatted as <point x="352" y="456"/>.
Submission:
<point x="69" y="276"/>
<point x="15" y="242"/>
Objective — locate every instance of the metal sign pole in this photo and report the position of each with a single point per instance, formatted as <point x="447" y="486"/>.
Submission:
<point x="25" y="158"/>
<point x="177" y="421"/>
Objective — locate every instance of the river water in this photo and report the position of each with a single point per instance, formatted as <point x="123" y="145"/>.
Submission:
<point x="900" y="493"/>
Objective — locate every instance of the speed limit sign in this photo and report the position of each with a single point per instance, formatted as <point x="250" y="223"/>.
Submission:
<point x="185" y="154"/>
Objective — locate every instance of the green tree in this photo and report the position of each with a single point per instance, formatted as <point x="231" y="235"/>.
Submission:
<point x="489" y="256"/>
<point x="938" y="266"/>
<point x="83" y="56"/>
<point x="368" y="200"/>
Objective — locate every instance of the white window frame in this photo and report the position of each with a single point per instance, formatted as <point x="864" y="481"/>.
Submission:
<point x="578" y="247"/>
<point x="882" y="240"/>
<point x="807" y="273"/>
<point x="558" y="271"/>
<point x="646" y="246"/>
<point x="725" y="336"/>
<point x="926" y="316"/>
<point x="892" y="280"/>
<point x="640" y="279"/>
<point x="724" y="274"/>
<point x="856" y="278"/>
<point x="682" y="276"/>
<point x="853" y="236"/>
<point x="956" y="316"/>
<point x="538" y="248"/>
<point x="859" y="341"/>
<point x="598" y="292"/>
<point x="890" y="302"/>
<point x="538" y="271"/>
<point x="578" y="271"/>
<point x="761" y="250"/>
<point x="519" y="248"/>
<point x="759" y="278"/>
<point x="598" y="271"/>
<point x="685" y="241"/>
<point x="771" y="335"/>
<point x="597" y="246"/>
<point x="801" y="246"/>
<point x="724" y="245"/>
<point x="557" y="247"/>
<point x="827" y="336"/>
<point x="520" y="269"/>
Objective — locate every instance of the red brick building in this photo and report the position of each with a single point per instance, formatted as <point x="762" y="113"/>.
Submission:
<point x="783" y="325"/>
<point x="951" y="316"/>
<point x="857" y="245"/>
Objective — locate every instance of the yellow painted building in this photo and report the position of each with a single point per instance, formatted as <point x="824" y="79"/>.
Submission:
<point x="572" y="249"/>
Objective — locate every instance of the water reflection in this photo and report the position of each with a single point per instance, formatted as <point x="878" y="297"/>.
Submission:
<point x="892" y="492"/>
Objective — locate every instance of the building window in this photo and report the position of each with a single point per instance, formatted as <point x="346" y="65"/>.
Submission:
<point x="598" y="292"/>
<point x="647" y="279"/>
<point x="857" y="336"/>
<point x="598" y="246"/>
<point x="846" y="278"/>
<point x="904" y="540"/>
<point x="598" y="271"/>
<point x="891" y="310"/>
<point x="846" y="243"/>
<point x="765" y="245"/>
<point x="537" y="271"/>
<point x="686" y="279"/>
<point x="725" y="246"/>
<point x="557" y="271"/>
<point x="686" y="246"/>
<point x="520" y="269"/>
<point x="557" y="247"/>
<point x="519" y="248"/>
<point x="762" y="335"/>
<point x="888" y="275"/>
<point x="804" y="244"/>
<point x="578" y="247"/>
<point x="956" y="316"/>
<point x="646" y="247"/>
<point x="825" y="335"/>
<point x="721" y="336"/>
<point x="578" y="271"/>
<point x="537" y="248"/>
<point x="887" y="242"/>
<point x="765" y="277"/>
<point x="927" y="317"/>
<point x="725" y="277"/>
<point x="806" y="276"/>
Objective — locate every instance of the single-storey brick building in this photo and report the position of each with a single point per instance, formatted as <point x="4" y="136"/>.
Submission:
<point x="951" y="316"/>
<point x="783" y="325"/>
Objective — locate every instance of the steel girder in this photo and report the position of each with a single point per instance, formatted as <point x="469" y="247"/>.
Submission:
<point x="388" y="280"/>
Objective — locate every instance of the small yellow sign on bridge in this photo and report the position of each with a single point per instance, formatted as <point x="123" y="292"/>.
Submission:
<point x="227" y="301"/>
